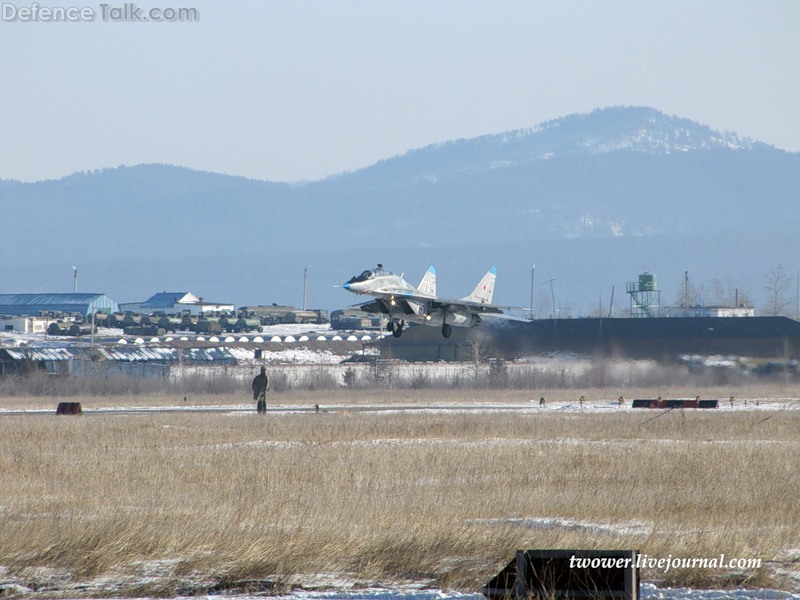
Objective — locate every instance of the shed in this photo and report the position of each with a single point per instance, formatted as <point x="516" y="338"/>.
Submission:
<point x="21" y="360"/>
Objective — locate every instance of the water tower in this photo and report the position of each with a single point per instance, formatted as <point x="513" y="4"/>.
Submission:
<point x="645" y="296"/>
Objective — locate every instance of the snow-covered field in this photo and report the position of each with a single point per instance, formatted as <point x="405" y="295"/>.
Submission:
<point x="647" y="592"/>
<point x="344" y="591"/>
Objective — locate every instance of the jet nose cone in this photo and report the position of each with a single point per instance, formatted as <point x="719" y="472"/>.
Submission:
<point x="346" y="285"/>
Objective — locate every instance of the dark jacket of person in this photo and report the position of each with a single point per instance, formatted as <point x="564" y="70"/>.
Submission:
<point x="260" y="384"/>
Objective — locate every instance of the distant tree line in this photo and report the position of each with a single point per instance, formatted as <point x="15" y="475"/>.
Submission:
<point x="780" y="288"/>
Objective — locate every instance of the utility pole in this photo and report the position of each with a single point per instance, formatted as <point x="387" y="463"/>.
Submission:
<point x="305" y="285"/>
<point x="611" y="304"/>
<point x="686" y="289"/>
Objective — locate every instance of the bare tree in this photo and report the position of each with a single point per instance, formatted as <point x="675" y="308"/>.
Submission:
<point x="542" y="307"/>
<point x="777" y="283"/>
<point x="692" y="294"/>
<point x="729" y="295"/>
<point x="719" y="294"/>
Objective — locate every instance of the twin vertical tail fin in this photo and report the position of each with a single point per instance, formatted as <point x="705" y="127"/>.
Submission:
<point x="482" y="294"/>
<point x="428" y="284"/>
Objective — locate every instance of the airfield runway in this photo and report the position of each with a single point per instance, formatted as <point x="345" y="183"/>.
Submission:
<point x="764" y="405"/>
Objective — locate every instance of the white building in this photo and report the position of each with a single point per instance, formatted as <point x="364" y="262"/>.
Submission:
<point x="175" y="303"/>
<point x="25" y="324"/>
<point x="709" y="311"/>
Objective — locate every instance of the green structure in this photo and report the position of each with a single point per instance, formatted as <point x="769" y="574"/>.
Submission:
<point x="645" y="297"/>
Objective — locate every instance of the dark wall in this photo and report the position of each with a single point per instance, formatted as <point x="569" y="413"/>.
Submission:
<point x="662" y="339"/>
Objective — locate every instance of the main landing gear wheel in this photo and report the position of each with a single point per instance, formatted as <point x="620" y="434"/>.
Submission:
<point x="447" y="329"/>
<point x="396" y="327"/>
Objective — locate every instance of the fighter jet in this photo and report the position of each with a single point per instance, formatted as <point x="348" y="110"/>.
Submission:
<point x="404" y="303"/>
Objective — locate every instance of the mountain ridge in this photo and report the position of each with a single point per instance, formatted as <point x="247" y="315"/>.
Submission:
<point x="643" y="115"/>
<point x="613" y="174"/>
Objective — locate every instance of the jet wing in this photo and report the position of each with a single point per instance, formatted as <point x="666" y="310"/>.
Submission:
<point x="409" y="304"/>
<point x="373" y="306"/>
<point x="460" y="305"/>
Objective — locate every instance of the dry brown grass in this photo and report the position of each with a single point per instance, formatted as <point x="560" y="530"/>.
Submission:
<point x="444" y="498"/>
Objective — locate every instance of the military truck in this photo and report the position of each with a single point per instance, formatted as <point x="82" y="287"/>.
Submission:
<point x="354" y="318"/>
<point x="276" y="314"/>
<point x="244" y="325"/>
<point x="207" y="325"/>
<point x="72" y="328"/>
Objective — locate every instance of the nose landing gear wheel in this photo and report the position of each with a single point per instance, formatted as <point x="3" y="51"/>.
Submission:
<point x="447" y="329"/>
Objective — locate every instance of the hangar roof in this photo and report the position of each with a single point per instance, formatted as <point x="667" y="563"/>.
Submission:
<point x="31" y="304"/>
<point x="169" y="299"/>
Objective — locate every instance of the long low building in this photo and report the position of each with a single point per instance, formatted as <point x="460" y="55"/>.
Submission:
<point x="91" y="361"/>
<point x="36" y="304"/>
<point x="175" y="303"/>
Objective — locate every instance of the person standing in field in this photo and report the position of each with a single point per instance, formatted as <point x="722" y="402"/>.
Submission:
<point x="260" y="389"/>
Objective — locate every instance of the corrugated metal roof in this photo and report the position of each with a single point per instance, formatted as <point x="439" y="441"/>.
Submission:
<point x="164" y="299"/>
<point x="167" y="355"/>
<point x="125" y="354"/>
<point x="25" y="299"/>
<point x="30" y="304"/>
<point x="39" y="353"/>
<point x="209" y="355"/>
<point x="140" y="354"/>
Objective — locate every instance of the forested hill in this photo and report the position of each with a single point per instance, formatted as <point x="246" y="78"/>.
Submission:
<point x="613" y="178"/>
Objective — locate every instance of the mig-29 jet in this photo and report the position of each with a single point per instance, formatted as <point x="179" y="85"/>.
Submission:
<point x="403" y="302"/>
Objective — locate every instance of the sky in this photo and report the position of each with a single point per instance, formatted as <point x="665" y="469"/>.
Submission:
<point x="292" y="90"/>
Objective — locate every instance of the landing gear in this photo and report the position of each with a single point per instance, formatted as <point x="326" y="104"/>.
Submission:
<point x="396" y="327"/>
<point x="447" y="329"/>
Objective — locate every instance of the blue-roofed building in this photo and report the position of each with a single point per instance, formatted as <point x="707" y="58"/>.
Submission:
<point x="171" y="303"/>
<point x="169" y="299"/>
<point x="36" y="304"/>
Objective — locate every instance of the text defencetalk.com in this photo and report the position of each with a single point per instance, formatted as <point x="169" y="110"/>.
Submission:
<point x="128" y="12"/>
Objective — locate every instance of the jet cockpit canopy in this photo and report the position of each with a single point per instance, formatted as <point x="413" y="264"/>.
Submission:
<point x="379" y="271"/>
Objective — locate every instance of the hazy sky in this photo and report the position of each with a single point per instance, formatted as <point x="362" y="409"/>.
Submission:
<point x="287" y="90"/>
